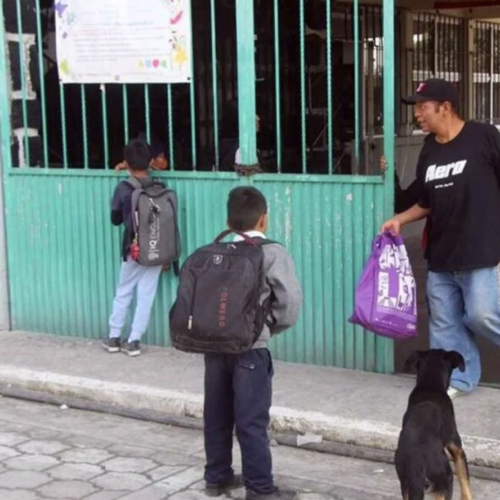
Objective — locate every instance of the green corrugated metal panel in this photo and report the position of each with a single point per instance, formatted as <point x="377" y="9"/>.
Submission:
<point x="64" y="254"/>
<point x="328" y="226"/>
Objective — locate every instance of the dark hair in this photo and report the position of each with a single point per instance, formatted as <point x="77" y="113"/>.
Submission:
<point x="156" y="146"/>
<point x="245" y="206"/>
<point x="137" y="154"/>
<point x="453" y="106"/>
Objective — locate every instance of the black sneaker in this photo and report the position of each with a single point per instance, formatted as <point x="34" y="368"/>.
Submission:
<point x="112" y="344"/>
<point x="276" y="495"/>
<point x="131" y="348"/>
<point x="216" y="490"/>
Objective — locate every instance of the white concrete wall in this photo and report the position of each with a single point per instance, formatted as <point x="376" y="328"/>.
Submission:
<point x="406" y="154"/>
<point x="407" y="151"/>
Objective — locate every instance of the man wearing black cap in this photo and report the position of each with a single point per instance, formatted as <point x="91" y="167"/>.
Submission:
<point x="458" y="172"/>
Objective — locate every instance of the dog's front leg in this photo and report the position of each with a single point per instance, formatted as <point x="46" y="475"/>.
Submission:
<point x="461" y="468"/>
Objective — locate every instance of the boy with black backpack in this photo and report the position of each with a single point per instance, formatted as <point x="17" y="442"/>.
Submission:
<point x="148" y="210"/>
<point x="233" y="296"/>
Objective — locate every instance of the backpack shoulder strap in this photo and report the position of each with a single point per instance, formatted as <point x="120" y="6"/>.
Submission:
<point x="159" y="182"/>
<point x="255" y="240"/>
<point x="134" y="182"/>
<point x="227" y="232"/>
<point x="138" y="190"/>
<point x="265" y="241"/>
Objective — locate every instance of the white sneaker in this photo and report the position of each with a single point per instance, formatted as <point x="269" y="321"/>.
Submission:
<point x="454" y="393"/>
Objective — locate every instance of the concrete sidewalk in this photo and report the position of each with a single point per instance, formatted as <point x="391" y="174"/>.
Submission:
<point x="340" y="405"/>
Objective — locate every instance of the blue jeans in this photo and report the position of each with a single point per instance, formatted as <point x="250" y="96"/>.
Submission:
<point x="238" y="393"/>
<point x="461" y="306"/>
<point x="144" y="280"/>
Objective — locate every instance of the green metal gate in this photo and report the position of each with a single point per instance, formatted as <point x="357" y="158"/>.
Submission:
<point x="63" y="253"/>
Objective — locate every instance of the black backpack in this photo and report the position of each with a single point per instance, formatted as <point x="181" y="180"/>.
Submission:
<point x="217" y="309"/>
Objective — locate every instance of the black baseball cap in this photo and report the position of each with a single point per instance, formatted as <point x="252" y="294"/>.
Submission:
<point x="434" y="89"/>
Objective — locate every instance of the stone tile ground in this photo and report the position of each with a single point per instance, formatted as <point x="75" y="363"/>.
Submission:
<point x="51" y="454"/>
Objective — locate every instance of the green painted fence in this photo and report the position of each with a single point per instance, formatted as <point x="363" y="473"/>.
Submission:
<point x="64" y="254"/>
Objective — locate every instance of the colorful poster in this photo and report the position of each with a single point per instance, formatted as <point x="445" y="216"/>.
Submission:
<point x="124" y="41"/>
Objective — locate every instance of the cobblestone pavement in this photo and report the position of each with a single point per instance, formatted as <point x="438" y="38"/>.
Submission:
<point x="47" y="453"/>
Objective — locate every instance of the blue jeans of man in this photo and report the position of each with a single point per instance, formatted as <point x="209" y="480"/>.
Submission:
<point x="463" y="305"/>
<point x="134" y="278"/>
<point x="238" y="393"/>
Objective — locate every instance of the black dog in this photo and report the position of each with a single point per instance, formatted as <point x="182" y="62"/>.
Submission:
<point x="429" y="429"/>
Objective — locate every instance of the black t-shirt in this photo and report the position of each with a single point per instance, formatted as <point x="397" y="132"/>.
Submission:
<point x="121" y="212"/>
<point x="460" y="183"/>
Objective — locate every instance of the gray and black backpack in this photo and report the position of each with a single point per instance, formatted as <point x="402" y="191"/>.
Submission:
<point x="154" y="213"/>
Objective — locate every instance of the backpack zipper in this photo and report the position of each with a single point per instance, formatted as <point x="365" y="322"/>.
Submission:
<point x="190" y="318"/>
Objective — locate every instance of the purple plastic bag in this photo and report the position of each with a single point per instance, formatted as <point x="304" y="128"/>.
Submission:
<point x="386" y="295"/>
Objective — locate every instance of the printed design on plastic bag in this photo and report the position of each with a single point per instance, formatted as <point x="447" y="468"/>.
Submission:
<point x="396" y="283"/>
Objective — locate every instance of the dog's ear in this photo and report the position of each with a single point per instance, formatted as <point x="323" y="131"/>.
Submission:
<point x="456" y="360"/>
<point x="413" y="360"/>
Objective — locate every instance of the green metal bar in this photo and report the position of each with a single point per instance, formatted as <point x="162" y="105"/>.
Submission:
<point x="357" y="83"/>
<point x="339" y="293"/>
<point x="307" y="277"/>
<point x="360" y="214"/>
<point x="91" y="258"/>
<point x="327" y="234"/>
<point x="98" y="236"/>
<point x="245" y="36"/>
<point x="329" y="84"/>
<point x="347" y="270"/>
<point x="105" y="125"/>
<point x="63" y="125"/>
<point x="171" y="150"/>
<point x="370" y="228"/>
<point x="297" y="206"/>
<point x="277" y="84"/>
<point x="296" y="179"/>
<point x="303" y="85"/>
<point x="317" y="273"/>
<point x="215" y="89"/>
<point x="147" y="112"/>
<point x="125" y="114"/>
<point x="64" y="266"/>
<point x="386" y="356"/>
<point x="22" y="68"/>
<point x="84" y="128"/>
<point x="389" y="100"/>
<point x="41" y="70"/>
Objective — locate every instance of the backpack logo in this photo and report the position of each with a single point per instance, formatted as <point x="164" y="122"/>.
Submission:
<point x="154" y="236"/>
<point x="223" y="307"/>
<point x="217" y="259"/>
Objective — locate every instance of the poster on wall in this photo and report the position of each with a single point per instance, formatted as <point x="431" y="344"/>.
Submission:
<point x="123" y="41"/>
